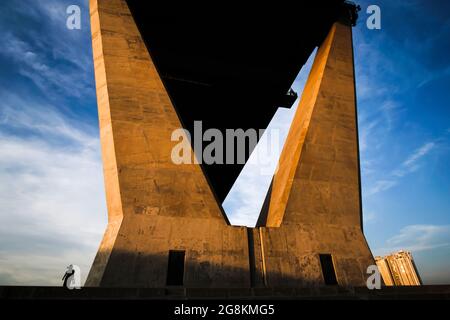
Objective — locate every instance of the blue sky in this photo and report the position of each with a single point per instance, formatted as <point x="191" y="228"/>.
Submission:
<point x="52" y="204"/>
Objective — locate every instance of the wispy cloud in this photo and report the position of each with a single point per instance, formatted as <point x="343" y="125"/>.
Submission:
<point x="43" y="72"/>
<point x="419" y="153"/>
<point x="380" y="186"/>
<point x="384" y="83"/>
<point x="417" y="238"/>
<point x="410" y="165"/>
<point x="49" y="56"/>
<point x="52" y="203"/>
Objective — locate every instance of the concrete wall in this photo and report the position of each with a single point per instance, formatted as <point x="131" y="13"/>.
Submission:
<point x="315" y="205"/>
<point x="155" y="206"/>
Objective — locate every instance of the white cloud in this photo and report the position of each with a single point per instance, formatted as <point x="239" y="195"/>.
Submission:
<point x="51" y="195"/>
<point x="380" y="186"/>
<point x="54" y="58"/>
<point x="43" y="72"/>
<point x="365" y="133"/>
<point x="52" y="203"/>
<point x="43" y="119"/>
<point x="419" y="153"/>
<point x="416" y="238"/>
<point x="381" y="84"/>
<point x="410" y="165"/>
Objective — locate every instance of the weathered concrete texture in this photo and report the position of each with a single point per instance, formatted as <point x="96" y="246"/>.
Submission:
<point x="315" y="201"/>
<point x="153" y="205"/>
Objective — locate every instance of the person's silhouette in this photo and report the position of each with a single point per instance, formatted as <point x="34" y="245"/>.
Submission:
<point x="69" y="273"/>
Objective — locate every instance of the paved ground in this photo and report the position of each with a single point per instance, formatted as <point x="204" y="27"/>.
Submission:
<point x="387" y="293"/>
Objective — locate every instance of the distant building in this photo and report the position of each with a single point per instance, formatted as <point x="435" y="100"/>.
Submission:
<point x="385" y="271"/>
<point x="398" y="269"/>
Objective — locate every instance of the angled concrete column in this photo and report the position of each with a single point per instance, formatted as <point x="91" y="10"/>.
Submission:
<point x="153" y="205"/>
<point x="315" y="203"/>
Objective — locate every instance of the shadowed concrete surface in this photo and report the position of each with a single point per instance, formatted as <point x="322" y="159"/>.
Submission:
<point x="323" y="293"/>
